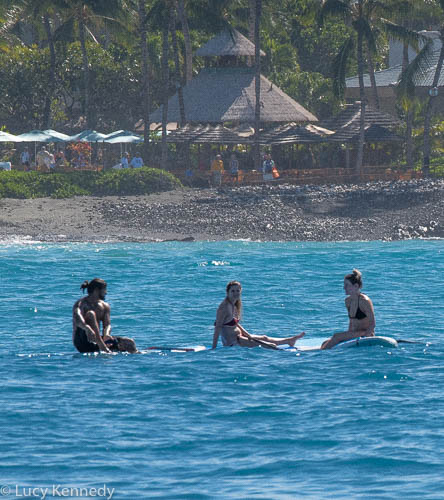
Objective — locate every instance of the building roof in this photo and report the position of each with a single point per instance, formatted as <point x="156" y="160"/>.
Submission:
<point x="390" y="76"/>
<point x="372" y="133"/>
<point x="228" y="42"/>
<point x="218" y="95"/>
<point x="212" y="134"/>
<point x="385" y="78"/>
<point x="350" y="117"/>
<point x="295" y="134"/>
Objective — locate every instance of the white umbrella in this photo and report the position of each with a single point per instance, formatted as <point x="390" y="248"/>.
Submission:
<point x="5" y="137"/>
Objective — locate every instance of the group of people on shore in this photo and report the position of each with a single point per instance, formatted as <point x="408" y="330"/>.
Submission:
<point x="269" y="170"/>
<point x="92" y="311"/>
<point x="126" y="162"/>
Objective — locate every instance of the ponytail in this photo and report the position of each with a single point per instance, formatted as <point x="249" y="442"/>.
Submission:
<point x="90" y="286"/>
<point x="355" y="277"/>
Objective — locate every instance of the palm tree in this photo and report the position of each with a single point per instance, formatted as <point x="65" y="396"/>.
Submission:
<point x="406" y="88"/>
<point x="143" y="28"/>
<point x="361" y="15"/>
<point x="81" y="17"/>
<point x="187" y="40"/>
<point x="257" y="80"/>
<point x="36" y="12"/>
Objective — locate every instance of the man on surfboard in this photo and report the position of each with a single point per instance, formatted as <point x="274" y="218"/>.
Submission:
<point x="87" y="314"/>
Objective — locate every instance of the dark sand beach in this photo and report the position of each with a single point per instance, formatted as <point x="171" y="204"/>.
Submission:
<point x="373" y="211"/>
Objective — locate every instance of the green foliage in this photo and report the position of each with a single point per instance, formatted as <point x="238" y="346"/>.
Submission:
<point x="15" y="184"/>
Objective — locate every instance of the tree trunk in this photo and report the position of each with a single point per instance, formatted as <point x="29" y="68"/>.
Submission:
<point x="429" y="113"/>
<point x="257" y="83"/>
<point x="360" y="154"/>
<point x="165" y="81"/>
<point x="371" y="72"/>
<point x="52" y="73"/>
<point x="187" y="39"/>
<point x="145" y="78"/>
<point x="409" y="115"/>
<point x="251" y="25"/>
<point x="85" y="64"/>
<point x="177" y="66"/>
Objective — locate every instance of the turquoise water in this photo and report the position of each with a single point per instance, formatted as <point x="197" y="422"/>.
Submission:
<point x="231" y="423"/>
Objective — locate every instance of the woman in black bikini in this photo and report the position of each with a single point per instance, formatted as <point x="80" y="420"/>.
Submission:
<point x="232" y="333"/>
<point x="360" y="312"/>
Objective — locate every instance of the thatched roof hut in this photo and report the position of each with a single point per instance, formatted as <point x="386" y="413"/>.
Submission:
<point x="295" y="134"/>
<point x="227" y="94"/>
<point x="350" y="118"/>
<point x="228" y="42"/>
<point x="210" y="134"/>
<point x="372" y="133"/>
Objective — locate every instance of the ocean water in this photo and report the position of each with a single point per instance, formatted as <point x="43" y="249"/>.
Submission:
<point x="364" y="423"/>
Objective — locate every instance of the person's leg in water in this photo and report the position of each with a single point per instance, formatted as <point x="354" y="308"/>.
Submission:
<point x="246" y="342"/>
<point x="278" y="340"/>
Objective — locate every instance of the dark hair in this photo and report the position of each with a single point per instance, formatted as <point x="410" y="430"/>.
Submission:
<point x="92" y="285"/>
<point x="238" y="302"/>
<point x="355" y="278"/>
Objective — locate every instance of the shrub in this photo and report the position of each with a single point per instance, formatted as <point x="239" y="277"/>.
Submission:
<point x="15" y="184"/>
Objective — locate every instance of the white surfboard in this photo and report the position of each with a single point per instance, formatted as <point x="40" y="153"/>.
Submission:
<point x="314" y="345"/>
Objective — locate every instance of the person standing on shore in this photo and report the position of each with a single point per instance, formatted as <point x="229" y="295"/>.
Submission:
<point x="360" y="312"/>
<point x="25" y="159"/>
<point x="267" y="168"/>
<point x="87" y="314"/>
<point x="217" y="168"/>
<point x="232" y="333"/>
<point x="137" y="161"/>
<point x="125" y="160"/>
<point x="234" y="168"/>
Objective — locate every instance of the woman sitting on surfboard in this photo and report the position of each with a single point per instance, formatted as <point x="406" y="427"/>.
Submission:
<point x="232" y="333"/>
<point x="360" y="312"/>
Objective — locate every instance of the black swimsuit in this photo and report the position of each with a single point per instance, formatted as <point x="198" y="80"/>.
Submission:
<point x="82" y="344"/>
<point x="359" y="314"/>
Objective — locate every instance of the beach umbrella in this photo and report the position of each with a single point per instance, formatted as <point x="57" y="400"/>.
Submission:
<point x="35" y="136"/>
<point x="115" y="134"/>
<point x="125" y="139"/>
<point x="57" y="136"/>
<point x="5" y="137"/>
<point x="87" y="136"/>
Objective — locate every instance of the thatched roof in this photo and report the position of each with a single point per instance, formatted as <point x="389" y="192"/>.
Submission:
<point x="372" y="133"/>
<point x="228" y="42"/>
<point x="351" y="115"/>
<point x="295" y="134"/>
<point x="219" y="95"/>
<point x="211" y="134"/>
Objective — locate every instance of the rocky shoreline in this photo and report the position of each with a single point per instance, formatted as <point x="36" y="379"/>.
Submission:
<point x="373" y="211"/>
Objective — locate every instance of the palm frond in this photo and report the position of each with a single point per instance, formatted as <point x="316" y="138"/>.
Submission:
<point x="332" y="8"/>
<point x="368" y="33"/>
<point x="65" y="32"/>
<point x="340" y="66"/>
<point x="419" y="65"/>
<point x="402" y="34"/>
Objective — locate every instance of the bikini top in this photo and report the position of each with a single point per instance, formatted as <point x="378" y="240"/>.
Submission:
<point x="359" y="314"/>
<point x="233" y="321"/>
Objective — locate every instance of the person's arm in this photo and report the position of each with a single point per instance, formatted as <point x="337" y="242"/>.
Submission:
<point x="367" y="308"/>
<point x="79" y="321"/>
<point x="215" y="336"/>
<point x="218" y="324"/>
<point x="106" y="322"/>
<point x="92" y="335"/>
